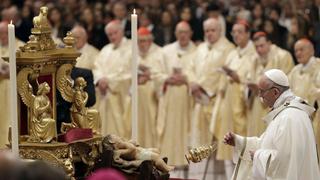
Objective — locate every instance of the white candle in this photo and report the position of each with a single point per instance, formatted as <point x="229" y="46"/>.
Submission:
<point x="13" y="91"/>
<point x="134" y="64"/>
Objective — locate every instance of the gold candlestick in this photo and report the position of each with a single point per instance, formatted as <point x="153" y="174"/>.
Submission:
<point x="197" y="154"/>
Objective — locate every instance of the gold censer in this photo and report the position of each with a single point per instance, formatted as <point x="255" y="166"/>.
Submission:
<point x="197" y="154"/>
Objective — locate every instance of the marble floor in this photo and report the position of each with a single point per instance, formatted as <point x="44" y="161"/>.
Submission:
<point x="195" y="171"/>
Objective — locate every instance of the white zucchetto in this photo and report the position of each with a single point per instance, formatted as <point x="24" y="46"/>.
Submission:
<point x="277" y="76"/>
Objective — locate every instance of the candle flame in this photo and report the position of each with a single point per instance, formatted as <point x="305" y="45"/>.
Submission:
<point x="134" y="11"/>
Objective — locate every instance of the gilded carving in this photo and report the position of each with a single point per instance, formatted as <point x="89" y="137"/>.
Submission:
<point x="42" y="128"/>
<point x="81" y="116"/>
<point x="40" y="57"/>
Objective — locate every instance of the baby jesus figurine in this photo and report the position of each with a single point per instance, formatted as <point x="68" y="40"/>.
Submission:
<point x="128" y="154"/>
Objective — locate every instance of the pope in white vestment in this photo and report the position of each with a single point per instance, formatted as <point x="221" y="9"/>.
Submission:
<point x="113" y="79"/>
<point x="4" y="84"/>
<point x="286" y="150"/>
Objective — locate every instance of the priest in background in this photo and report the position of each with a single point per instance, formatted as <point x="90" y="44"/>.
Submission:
<point x="287" y="149"/>
<point x="210" y="57"/>
<point x="151" y="75"/>
<point x="304" y="78"/>
<point x="4" y="83"/>
<point x="88" y="52"/>
<point x="231" y="111"/>
<point x="112" y="78"/>
<point x="175" y="104"/>
<point x="269" y="56"/>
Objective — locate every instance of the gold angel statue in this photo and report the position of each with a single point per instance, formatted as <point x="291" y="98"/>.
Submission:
<point x="42" y="127"/>
<point x="81" y="116"/>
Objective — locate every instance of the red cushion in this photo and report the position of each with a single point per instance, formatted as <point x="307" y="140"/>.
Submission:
<point x="77" y="134"/>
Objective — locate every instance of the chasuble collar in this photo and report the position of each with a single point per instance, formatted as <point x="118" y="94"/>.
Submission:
<point x="246" y="49"/>
<point x="285" y="96"/>
<point x="279" y="105"/>
<point x="183" y="50"/>
<point x="215" y="45"/>
<point x="285" y="100"/>
<point x="310" y="64"/>
<point x="84" y="47"/>
<point x="123" y="41"/>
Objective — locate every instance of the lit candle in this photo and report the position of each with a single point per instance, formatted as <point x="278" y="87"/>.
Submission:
<point x="134" y="64"/>
<point x="13" y="91"/>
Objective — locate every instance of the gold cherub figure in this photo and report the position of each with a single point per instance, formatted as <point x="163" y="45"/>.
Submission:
<point x="81" y="116"/>
<point x="42" y="127"/>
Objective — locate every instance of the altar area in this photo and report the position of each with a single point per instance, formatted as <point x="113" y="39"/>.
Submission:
<point x="42" y="73"/>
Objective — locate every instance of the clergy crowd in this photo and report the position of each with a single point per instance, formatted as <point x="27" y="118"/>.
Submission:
<point x="201" y="85"/>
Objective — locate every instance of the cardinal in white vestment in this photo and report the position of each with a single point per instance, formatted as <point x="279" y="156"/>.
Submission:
<point x="150" y="78"/>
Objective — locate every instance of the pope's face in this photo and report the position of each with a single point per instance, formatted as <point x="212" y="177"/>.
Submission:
<point x="266" y="92"/>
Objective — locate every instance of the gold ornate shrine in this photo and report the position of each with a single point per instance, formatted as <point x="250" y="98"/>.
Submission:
<point x="41" y="70"/>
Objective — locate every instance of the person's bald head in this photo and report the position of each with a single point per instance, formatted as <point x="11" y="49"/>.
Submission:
<point x="212" y="30"/>
<point x="12" y="13"/>
<point x="4" y="33"/>
<point x="183" y="33"/>
<point x="80" y="34"/>
<point x="114" y="31"/>
<point x="303" y="50"/>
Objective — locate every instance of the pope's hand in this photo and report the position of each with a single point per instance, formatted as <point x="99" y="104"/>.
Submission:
<point x="229" y="139"/>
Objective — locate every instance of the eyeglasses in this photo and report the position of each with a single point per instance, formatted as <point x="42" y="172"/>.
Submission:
<point x="262" y="91"/>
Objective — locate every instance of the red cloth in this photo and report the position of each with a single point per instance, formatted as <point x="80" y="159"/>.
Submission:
<point x="77" y="134"/>
<point x="106" y="174"/>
